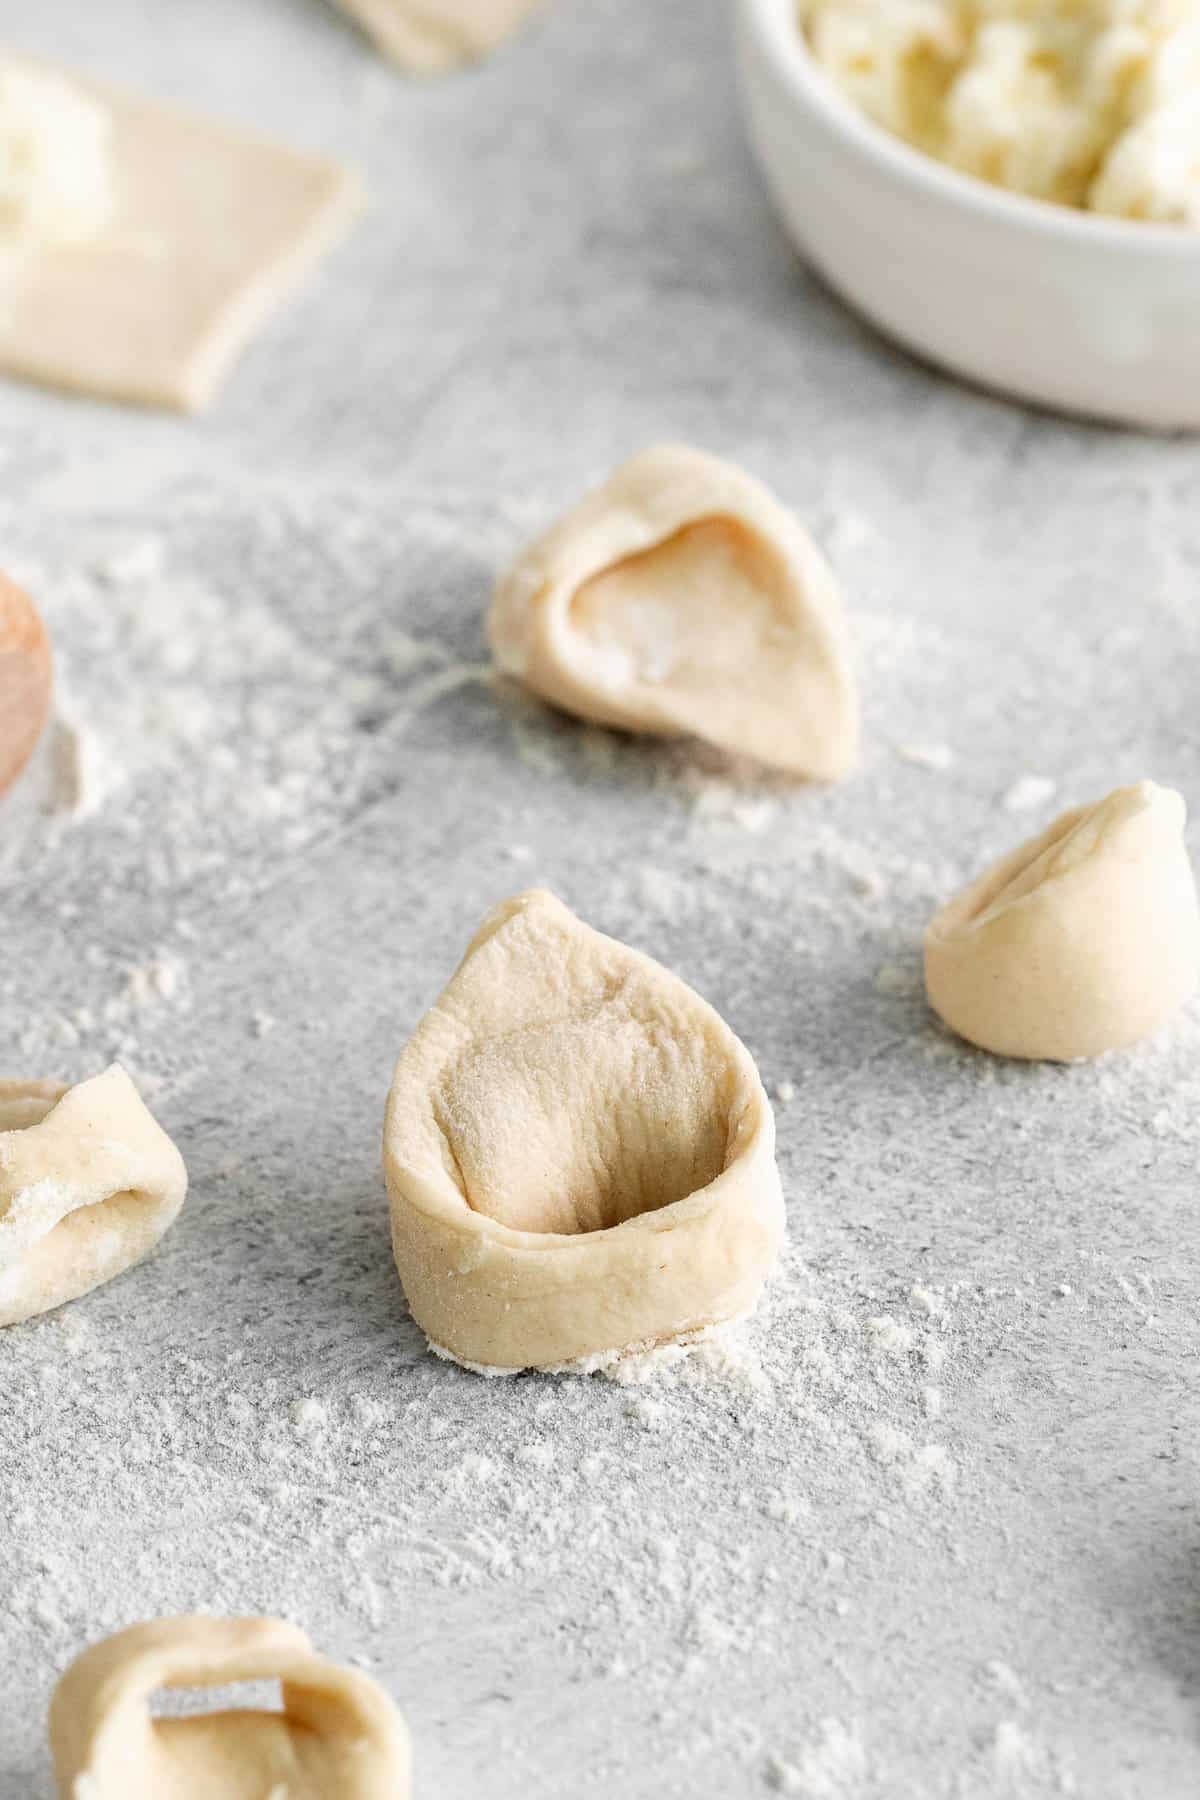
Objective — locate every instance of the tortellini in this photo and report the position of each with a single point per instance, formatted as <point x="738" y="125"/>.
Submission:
<point x="579" y="1152"/>
<point x="682" y="599"/>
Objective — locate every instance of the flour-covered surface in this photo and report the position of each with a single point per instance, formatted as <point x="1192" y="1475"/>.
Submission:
<point x="927" y="1525"/>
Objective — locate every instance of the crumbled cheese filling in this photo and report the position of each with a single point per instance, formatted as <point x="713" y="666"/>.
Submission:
<point x="56" y="174"/>
<point x="1090" y="103"/>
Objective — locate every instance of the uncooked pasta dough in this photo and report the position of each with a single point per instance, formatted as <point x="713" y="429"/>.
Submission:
<point x="427" y="36"/>
<point x="1079" y="941"/>
<point x="682" y="598"/>
<point x="25" y="680"/>
<point x="579" y="1152"/>
<point x="337" y="1736"/>
<point x="140" y="247"/>
<point x="88" y="1185"/>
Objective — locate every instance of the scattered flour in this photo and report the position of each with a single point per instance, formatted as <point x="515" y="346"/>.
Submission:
<point x="136" y="563"/>
<point x="235" y="721"/>
<point x="660" y="891"/>
<point x="890" y="1337"/>
<point x="1029" y="793"/>
<point x="923" y="1300"/>
<point x="902" y="980"/>
<point x="1015" y="1754"/>
<point x="240" y="729"/>
<point x="414" y="1486"/>
<point x="309" y="1415"/>
<point x="646" y="1411"/>
<point x="833" y="1766"/>
<point x="1005" y="1680"/>
<point x="938" y="757"/>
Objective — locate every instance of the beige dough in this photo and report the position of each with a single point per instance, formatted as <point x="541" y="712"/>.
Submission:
<point x="88" y="1185"/>
<point x="682" y="599"/>
<point x="26" y="680"/>
<point x="1082" y="940"/>
<point x="338" y="1736"/>
<point x="427" y="36"/>
<point x="210" y="230"/>
<point x="579" y="1153"/>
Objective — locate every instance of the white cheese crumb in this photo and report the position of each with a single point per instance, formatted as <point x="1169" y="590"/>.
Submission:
<point x="926" y="756"/>
<point x="1028" y="793"/>
<point x="56" y="177"/>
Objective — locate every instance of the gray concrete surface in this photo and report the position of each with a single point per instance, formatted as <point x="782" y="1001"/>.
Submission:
<point x="927" y="1527"/>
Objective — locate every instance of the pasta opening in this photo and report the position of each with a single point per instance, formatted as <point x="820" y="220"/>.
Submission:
<point x="585" y="1124"/>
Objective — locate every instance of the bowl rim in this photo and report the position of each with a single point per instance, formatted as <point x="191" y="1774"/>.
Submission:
<point x="776" y="25"/>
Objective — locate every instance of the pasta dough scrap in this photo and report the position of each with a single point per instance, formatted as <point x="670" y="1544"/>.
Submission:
<point x="428" y="36"/>
<point x="88" y="1185"/>
<point x="338" y="1736"/>
<point x="682" y="599"/>
<point x="579" y="1152"/>
<point x="1080" y="941"/>
<point x="205" y="231"/>
<point x="26" y="677"/>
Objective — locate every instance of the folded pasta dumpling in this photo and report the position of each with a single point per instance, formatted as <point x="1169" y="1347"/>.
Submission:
<point x="682" y="599"/>
<point x="88" y="1185"/>
<point x="427" y="36"/>
<point x="1081" y="940"/>
<point x="25" y="680"/>
<point x="579" y="1152"/>
<point x="337" y="1736"/>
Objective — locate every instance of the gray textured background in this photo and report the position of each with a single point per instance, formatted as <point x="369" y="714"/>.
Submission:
<point x="741" y="1581"/>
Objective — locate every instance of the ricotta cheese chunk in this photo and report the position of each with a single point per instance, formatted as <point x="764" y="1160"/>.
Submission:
<point x="56" y="170"/>
<point x="1086" y="103"/>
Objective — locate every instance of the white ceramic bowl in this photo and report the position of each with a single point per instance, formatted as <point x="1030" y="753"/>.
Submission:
<point x="1068" y="309"/>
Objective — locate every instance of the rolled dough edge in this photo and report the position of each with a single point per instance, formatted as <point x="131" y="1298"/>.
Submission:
<point x="265" y="293"/>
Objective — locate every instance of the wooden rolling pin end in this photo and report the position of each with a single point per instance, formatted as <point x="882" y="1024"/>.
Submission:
<point x="26" y="678"/>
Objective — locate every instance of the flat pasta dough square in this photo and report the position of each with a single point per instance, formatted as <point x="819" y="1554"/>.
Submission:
<point x="426" y="36"/>
<point x="212" y="228"/>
